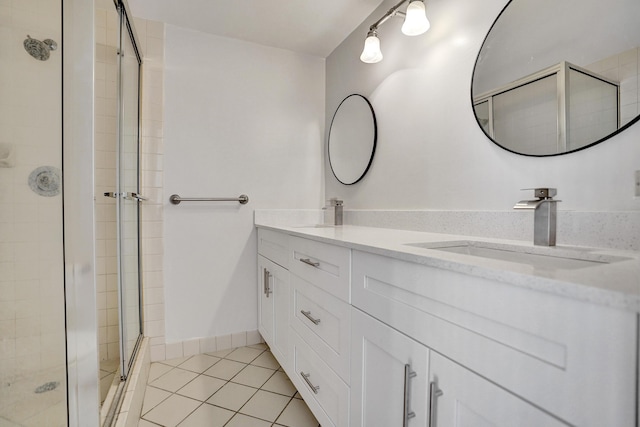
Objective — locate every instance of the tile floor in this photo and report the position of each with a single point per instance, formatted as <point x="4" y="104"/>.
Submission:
<point x="241" y="387"/>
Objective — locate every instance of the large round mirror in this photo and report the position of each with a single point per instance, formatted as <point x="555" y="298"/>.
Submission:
<point x="352" y="139"/>
<point x="557" y="76"/>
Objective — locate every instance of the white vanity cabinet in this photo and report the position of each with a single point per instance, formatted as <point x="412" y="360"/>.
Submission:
<point x="371" y="340"/>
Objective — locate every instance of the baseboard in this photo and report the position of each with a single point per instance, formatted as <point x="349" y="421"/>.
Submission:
<point x="195" y="346"/>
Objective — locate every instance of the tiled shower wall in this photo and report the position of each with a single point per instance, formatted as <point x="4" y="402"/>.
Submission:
<point x="31" y="249"/>
<point x="151" y="36"/>
<point x="623" y="68"/>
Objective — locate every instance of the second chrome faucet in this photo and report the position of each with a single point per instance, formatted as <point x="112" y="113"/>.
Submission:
<point x="544" y="216"/>
<point x="336" y="205"/>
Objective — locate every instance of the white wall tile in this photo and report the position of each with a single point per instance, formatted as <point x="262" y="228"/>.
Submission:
<point x="174" y="350"/>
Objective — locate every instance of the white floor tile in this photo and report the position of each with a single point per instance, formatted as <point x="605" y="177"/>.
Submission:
<point x="202" y="387"/>
<point x="176" y="361"/>
<point x="208" y="416"/>
<point x="152" y="397"/>
<point x="266" y="360"/>
<point x="199" y="363"/>
<point x="244" y="421"/>
<point x="174" y="379"/>
<point x="232" y="396"/>
<point x="225" y="369"/>
<point x="260" y="346"/>
<point x="221" y="353"/>
<point x="243" y="354"/>
<point x="172" y="411"/>
<point x="265" y="405"/>
<point x="157" y="370"/>
<point x="253" y="376"/>
<point x="281" y="384"/>
<point x="178" y="387"/>
<point x="297" y="414"/>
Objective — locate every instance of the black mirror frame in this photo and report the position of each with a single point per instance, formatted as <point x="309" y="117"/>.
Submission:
<point x="375" y="140"/>
<point x="475" y="65"/>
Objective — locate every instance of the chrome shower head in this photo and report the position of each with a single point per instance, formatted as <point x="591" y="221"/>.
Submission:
<point x="39" y="49"/>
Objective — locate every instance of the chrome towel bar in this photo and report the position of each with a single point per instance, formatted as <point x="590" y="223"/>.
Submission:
<point x="175" y="199"/>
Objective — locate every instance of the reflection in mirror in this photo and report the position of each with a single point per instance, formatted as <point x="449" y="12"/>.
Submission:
<point x="352" y="139"/>
<point x="554" y="77"/>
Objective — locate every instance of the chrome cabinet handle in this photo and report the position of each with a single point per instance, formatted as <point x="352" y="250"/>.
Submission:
<point x="434" y="393"/>
<point x="266" y="276"/>
<point x="309" y="262"/>
<point x="408" y="374"/>
<point x="307" y="314"/>
<point x="306" y="379"/>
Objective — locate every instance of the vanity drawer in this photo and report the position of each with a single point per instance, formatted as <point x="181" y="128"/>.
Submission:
<point x="323" y="390"/>
<point x="324" y="322"/>
<point x="326" y="266"/>
<point x="574" y="359"/>
<point x="274" y="246"/>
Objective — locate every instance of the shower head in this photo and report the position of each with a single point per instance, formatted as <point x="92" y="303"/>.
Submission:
<point x="39" y="49"/>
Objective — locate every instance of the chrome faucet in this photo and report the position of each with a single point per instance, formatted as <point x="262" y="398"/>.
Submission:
<point x="545" y="213"/>
<point x="337" y="210"/>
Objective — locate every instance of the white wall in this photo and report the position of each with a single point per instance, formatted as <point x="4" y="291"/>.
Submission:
<point x="431" y="153"/>
<point x="239" y="118"/>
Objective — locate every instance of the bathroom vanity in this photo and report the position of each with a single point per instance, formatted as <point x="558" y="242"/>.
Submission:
<point x="381" y="327"/>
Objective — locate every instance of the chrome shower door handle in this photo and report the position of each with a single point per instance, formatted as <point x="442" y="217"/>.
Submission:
<point x="434" y="393"/>
<point x="307" y="314"/>
<point x="309" y="262"/>
<point x="406" y="413"/>
<point x="126" y="196"/>
<point x="135" y="196"/>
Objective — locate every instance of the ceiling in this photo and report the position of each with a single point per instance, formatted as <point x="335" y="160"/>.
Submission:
<point x="314" y="27"/>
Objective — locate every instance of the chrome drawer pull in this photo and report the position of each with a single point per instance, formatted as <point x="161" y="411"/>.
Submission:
<point x="408" y="374"/>
<point x="309" y="262"/>
<point x="307" y="314"/>
<point x="313" y="388"/>
<point x="434" y="393"/>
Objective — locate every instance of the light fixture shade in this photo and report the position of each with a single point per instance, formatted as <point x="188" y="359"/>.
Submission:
<point x="416" y="22"/>
<point x="371" y="52"/>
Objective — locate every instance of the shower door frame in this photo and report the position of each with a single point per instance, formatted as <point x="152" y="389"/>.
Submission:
<point x="127" y="27"/>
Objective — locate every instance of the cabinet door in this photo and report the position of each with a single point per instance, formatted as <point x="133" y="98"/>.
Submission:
<point x="460" y="398"/>
<point x="389" y="376"/>
<point x="279" y="287"/>
<point x="273" y="307"/>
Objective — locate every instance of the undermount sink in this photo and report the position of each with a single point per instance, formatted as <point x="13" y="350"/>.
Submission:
<point x="548" y="258"/>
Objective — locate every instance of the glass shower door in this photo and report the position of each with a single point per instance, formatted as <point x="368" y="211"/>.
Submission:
<point x="129" y="200"/>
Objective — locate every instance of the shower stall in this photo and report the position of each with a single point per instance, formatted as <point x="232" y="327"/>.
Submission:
<point x="51" y="258"/>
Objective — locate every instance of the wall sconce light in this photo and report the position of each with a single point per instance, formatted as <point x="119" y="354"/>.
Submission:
<point x="415" y="23"/>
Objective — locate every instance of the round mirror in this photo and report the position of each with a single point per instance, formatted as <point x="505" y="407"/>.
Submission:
<point x="352" y="139"/>
<point x="553" y="77"/>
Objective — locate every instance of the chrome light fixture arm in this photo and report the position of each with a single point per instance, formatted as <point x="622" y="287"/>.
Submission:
<point x="390" y="13"/>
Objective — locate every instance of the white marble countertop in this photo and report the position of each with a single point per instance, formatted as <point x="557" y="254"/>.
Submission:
<point x="614" y="284"/>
